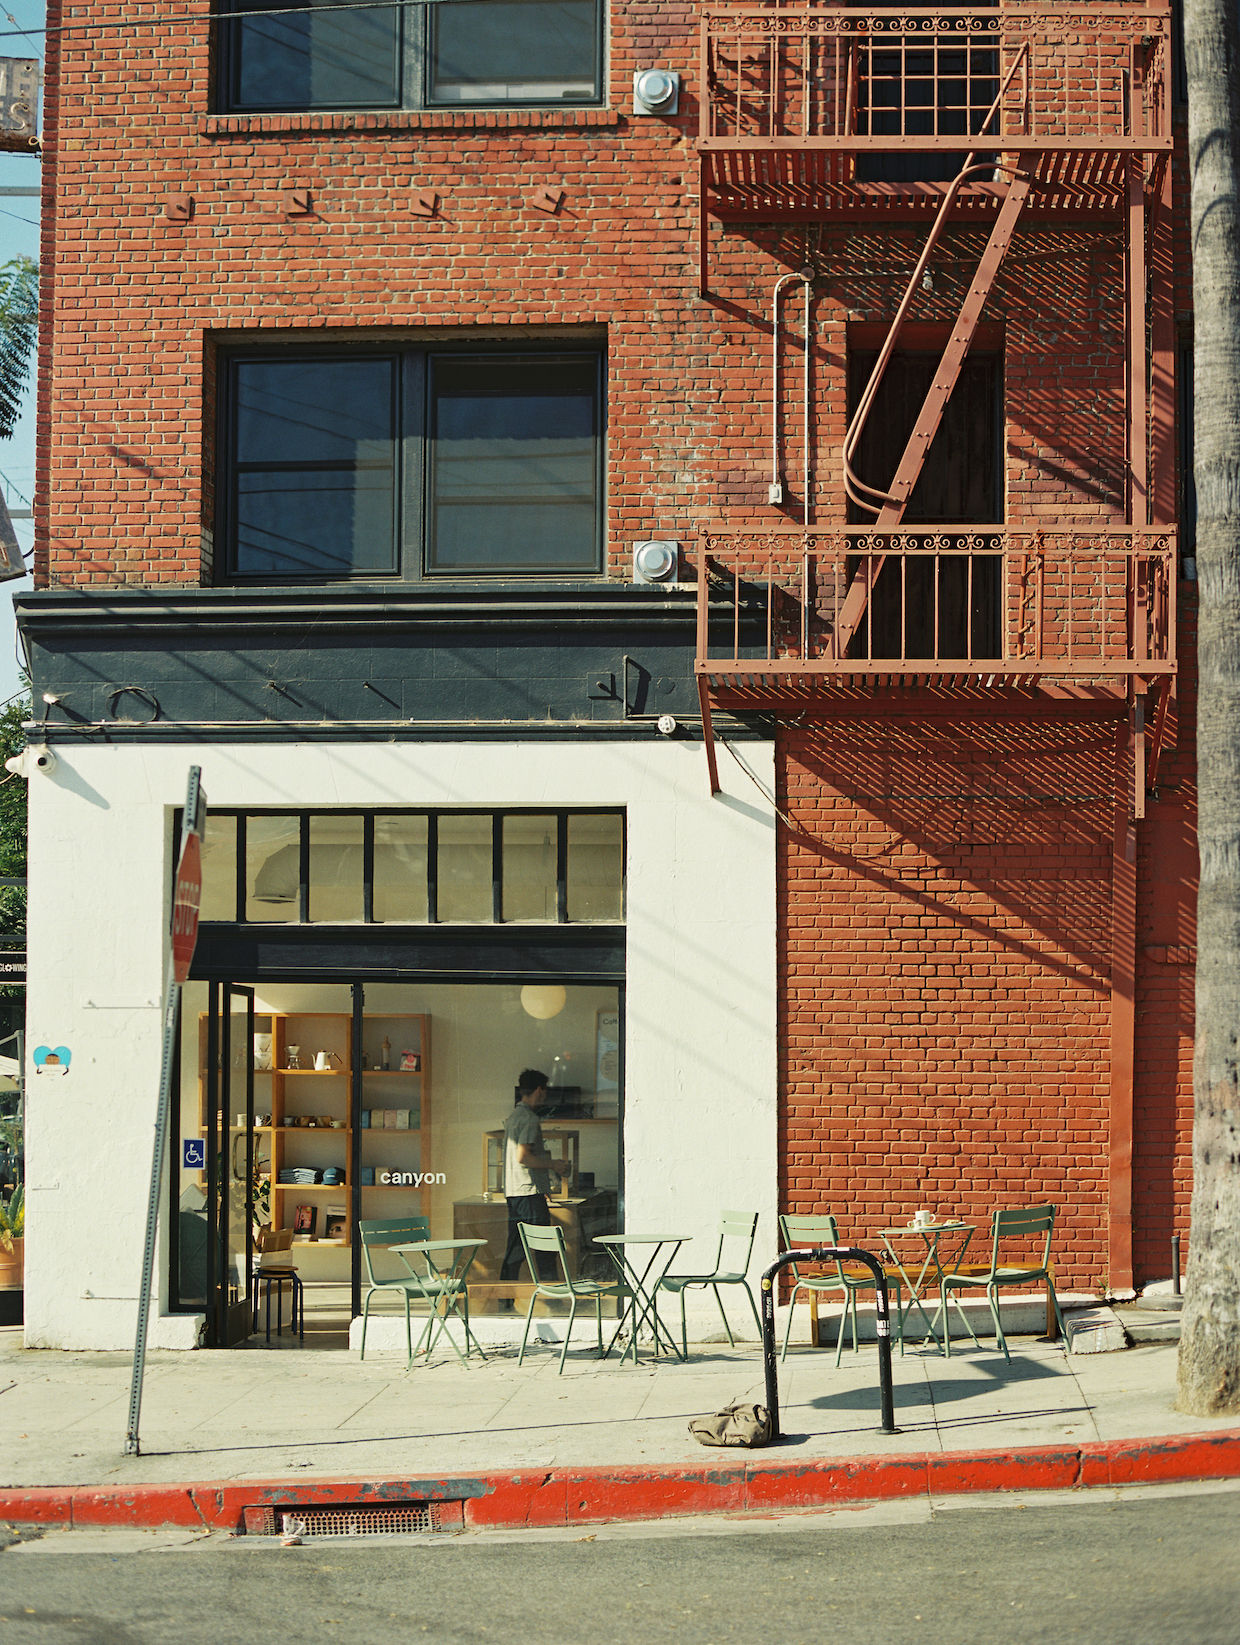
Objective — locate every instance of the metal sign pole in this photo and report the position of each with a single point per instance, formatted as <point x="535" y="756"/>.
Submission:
<point x="184" y="934"/>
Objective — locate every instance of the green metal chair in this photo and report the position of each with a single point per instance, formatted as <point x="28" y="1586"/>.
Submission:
<point x="733" y="1225"/>
<point x="573" y="1291"/>
<point x="844" y="1283"/>
<point x="1007" y="1225"/>
<point x="379" y="1235"/>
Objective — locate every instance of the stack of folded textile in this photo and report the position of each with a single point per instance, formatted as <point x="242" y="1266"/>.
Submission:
<point x="301" y="1175"/>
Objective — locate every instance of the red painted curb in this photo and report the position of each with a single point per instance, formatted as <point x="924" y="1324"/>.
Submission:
<point x="580" y="1496"/>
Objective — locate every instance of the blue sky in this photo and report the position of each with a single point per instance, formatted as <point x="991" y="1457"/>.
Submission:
<point x="19" y="233"/>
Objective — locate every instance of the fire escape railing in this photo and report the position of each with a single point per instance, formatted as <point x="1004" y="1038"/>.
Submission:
<point x="949" y="601"/>
<point x="857" y="80"/>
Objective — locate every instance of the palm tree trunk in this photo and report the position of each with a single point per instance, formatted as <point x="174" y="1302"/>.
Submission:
<point x="1209" y="1368"/>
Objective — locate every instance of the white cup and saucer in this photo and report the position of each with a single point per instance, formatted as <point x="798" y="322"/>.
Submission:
<point x="922" y="1219"/>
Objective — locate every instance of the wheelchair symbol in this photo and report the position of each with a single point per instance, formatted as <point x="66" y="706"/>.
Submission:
<point x="194" y="1154"/>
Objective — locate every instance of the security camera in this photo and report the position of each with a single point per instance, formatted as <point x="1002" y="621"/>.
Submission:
<point x="42" y="759"/>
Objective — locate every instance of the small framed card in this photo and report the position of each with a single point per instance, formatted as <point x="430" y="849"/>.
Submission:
<point x="410" y="1062"/>
<point x="336" y="1227"/>
<point x="305" y="1219"/>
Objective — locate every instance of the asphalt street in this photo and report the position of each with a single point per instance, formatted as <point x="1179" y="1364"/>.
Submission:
<point x="1143" y="1566"/>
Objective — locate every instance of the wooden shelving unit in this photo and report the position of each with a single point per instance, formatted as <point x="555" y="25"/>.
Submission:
<point x="322" y="1099"/>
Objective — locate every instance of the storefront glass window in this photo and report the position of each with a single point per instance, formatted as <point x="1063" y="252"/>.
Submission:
<point x="272" y="869"/>
<point x="465" y="873"/>
<point x="530" y="853"/>
<point x="413" y="868"/>
<point x="596" y="868"/>
<point x="219" y="869"/>
<point x="439" y="1068"/>
<point x="400" y="869"/>
<point x="337" y="853"/>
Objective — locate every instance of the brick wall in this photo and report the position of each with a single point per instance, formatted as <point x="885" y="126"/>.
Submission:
<point x="946" y="972"/>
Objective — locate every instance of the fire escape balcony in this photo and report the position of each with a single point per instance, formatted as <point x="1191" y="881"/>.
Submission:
<point x="952" y="612"/>
<point x="797" y="102"/>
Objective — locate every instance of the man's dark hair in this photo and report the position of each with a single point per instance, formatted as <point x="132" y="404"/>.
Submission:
<point x="529" y="1079"/>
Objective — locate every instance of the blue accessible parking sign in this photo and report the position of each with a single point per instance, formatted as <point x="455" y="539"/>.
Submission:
<point x="194" y="1154"/>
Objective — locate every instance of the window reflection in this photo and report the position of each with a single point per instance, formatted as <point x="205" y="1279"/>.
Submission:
<point x="464" y="868"/>
<point x="596" y="868"/>
<point x="272" y="869"/>
<point x="530" y="868"/>
<point x="336" y="868"/>
<point x="400" y="869"/>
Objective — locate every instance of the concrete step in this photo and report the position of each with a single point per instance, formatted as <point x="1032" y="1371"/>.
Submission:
<point x="1096" y="1330"/>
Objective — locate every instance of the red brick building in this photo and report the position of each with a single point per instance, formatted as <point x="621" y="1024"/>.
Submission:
<point x="532" y="310"/>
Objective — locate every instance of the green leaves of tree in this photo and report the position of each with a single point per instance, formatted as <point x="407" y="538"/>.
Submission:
<point x="19" y="317"/>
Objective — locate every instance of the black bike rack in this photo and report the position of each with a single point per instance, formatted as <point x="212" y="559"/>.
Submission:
<point x="828" y="1253"/>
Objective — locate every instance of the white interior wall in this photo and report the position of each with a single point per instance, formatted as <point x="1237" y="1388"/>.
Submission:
<point x="700" y="1132"/>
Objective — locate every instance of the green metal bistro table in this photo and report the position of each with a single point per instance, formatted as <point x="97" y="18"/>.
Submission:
<point x="931" y="1234"/>
<point x="443" y="1284"/>
<point x="643" y="1287"/>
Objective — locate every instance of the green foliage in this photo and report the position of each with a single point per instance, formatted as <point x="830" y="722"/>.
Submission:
<point x="19" y="328"/>
<point x="12" y="821"/>
<point x="13" y="1218"/>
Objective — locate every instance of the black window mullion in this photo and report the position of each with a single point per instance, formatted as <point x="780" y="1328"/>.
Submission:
<point x="561" y="868"/>
<point x="497" y="867"/>
<point x="368" y="867"/>
<point x="303" y="877"/>
<point x="432" y="868"/>
<point x="241" y="861"/>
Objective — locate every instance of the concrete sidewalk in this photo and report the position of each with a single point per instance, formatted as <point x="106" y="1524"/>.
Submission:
<point x="295" y="1421"/>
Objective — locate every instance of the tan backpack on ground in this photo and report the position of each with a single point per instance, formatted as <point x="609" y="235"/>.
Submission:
<point x="741" y="1423"/>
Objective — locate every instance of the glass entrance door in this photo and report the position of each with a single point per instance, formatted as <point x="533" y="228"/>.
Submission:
<point x="235" y="1161"/>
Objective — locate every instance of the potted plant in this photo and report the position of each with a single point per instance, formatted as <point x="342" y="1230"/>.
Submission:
<point x="12" y="1229"/>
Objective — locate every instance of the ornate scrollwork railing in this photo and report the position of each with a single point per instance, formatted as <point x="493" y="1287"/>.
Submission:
<point x="1025" y="601"/>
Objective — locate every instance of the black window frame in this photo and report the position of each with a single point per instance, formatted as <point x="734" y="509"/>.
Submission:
<point x="369" y="815"/>
<point x="413" y="68"/>
<point x="413" y="455"/>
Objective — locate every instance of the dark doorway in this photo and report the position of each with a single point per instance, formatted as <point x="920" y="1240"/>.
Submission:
<point x="947" y="605"/>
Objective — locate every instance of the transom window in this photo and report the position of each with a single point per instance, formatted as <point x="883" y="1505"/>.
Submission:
<point x="414" y="867"/>
<point x="411" y="462"/>
<point x="427" y="53"/>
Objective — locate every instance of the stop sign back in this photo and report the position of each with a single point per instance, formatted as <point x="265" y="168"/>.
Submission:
<point x="185" y="904"/>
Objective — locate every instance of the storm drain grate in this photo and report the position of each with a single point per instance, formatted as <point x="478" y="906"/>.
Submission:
<point x="355" y="1519"/>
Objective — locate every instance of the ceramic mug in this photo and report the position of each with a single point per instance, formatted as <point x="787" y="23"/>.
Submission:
<point x="923" y="1219"/>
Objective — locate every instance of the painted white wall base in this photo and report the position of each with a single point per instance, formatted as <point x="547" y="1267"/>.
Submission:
<point x="112" y="1326"/>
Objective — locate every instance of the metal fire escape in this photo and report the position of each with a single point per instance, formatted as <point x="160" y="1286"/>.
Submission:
<point x="1067" y="114"/>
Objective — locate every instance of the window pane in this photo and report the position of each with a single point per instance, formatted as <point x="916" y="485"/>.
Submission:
<point x="514" y="468"/>
<point x="316" y="60"/>
<point x="336" y="868"/>
<point x="272" y="868"/>
<point x="315" y="463"/>
<point x="529" y="868"/>
<point x="523" y="51"/>
<point x="219" y="869"/>
<point x="596" y="868"/>
<point x="400" y="869"/>
<point x="464" y="868"/>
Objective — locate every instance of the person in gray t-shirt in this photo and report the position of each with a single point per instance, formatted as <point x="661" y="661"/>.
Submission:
<point x="527" y="1174"/>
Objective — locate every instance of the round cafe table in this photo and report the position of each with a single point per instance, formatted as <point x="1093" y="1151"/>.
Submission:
<point x="643" y="1288"/>
<point x="931" y="1233"/>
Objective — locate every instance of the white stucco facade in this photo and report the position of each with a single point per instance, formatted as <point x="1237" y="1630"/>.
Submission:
<point x="700" y="1055"/>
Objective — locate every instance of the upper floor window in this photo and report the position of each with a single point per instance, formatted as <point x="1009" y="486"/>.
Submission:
<point x="423" y="54"/>
<point x="410" y="462"/>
